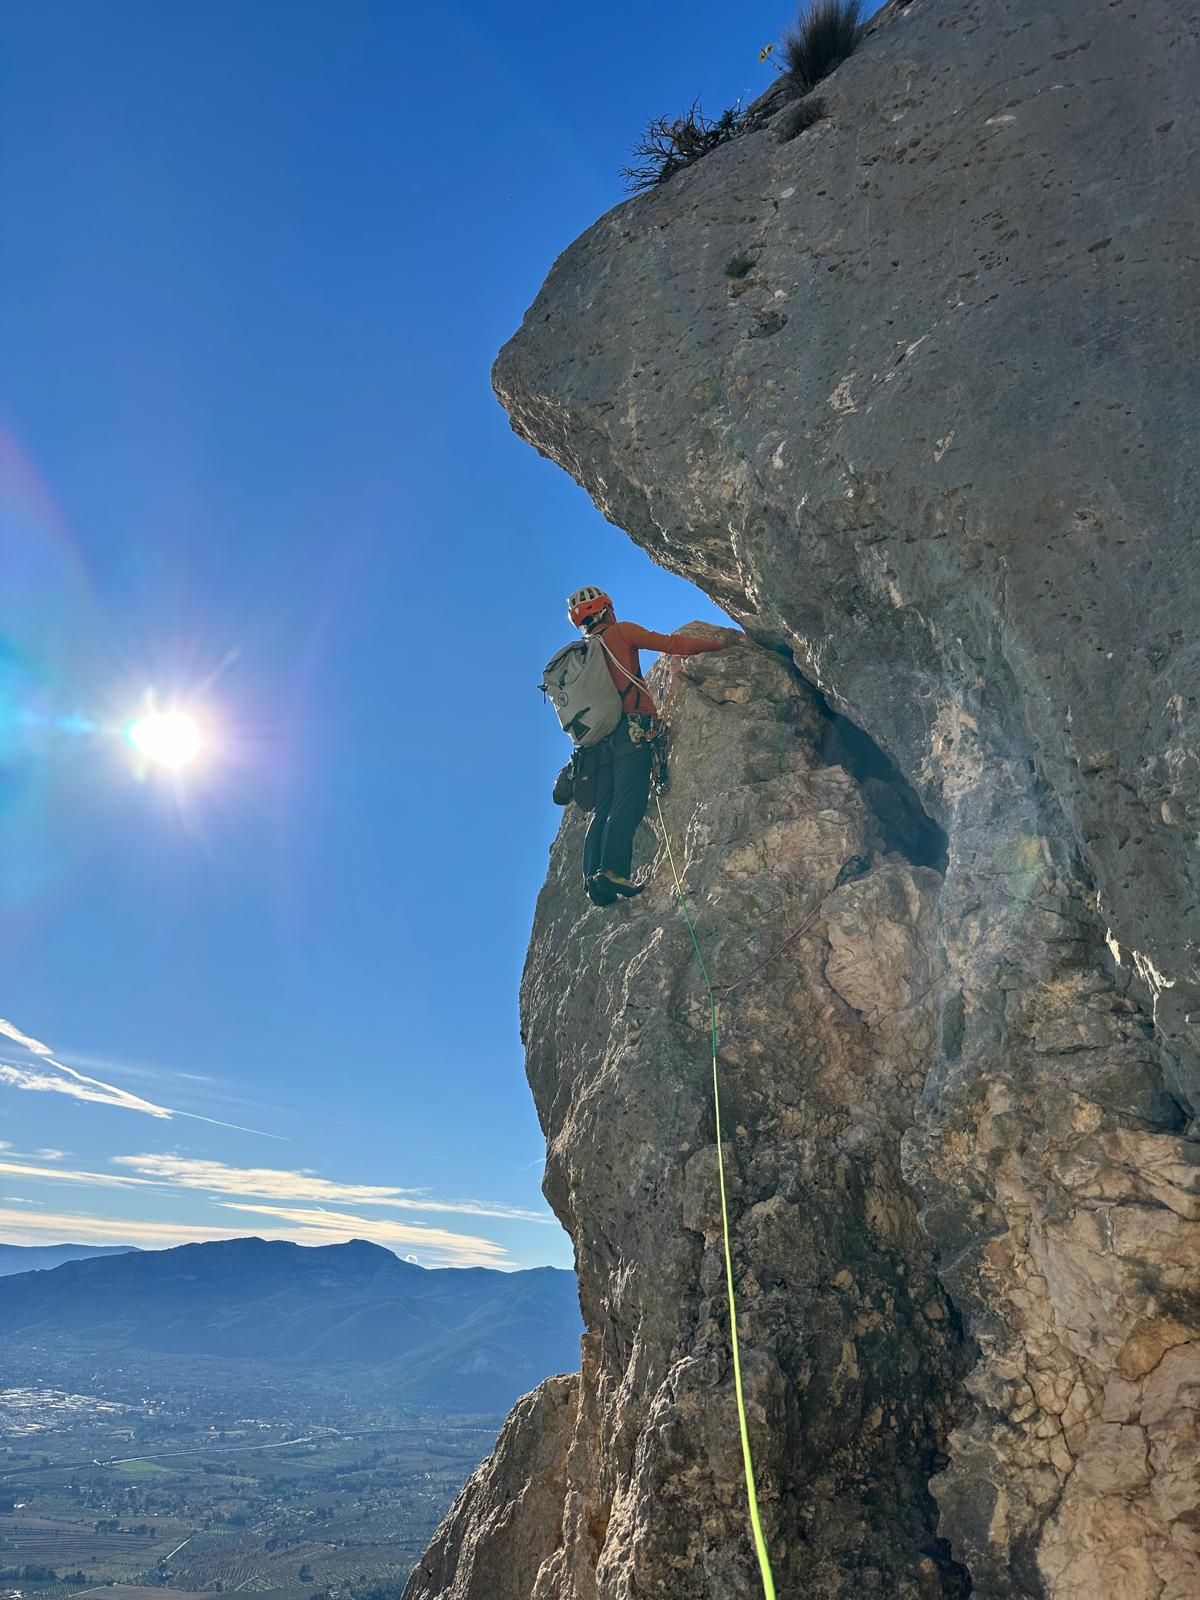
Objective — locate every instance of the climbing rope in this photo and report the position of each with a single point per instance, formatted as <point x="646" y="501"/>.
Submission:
<point x="760" y="1543"/>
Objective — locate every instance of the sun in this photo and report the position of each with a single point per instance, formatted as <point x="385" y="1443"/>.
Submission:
<point x="171" y="738"/>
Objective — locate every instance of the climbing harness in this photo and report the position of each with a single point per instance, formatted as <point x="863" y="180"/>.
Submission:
<point x="760" y="1543"/>
<point x="853" y="867"/>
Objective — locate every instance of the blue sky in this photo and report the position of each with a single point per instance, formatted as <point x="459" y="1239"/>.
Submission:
<point x="256" y="262"/>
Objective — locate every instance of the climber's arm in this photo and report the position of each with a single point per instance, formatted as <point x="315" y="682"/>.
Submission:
<point x="668" y="644"/>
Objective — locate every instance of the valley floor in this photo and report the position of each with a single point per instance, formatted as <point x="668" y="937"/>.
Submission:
<point x="163" y="1476"/>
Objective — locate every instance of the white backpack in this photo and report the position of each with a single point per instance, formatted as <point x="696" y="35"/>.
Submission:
<point x="585" y="697"/>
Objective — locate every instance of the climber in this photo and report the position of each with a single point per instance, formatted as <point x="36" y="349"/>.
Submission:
<point x="622" y="760"/>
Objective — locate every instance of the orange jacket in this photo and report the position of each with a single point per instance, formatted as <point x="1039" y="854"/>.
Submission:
<point x="624" y="639"/>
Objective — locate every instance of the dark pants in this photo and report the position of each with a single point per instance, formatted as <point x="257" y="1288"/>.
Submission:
<point x="622" y="795"/>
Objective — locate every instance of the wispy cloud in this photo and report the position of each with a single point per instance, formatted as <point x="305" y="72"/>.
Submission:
<point x="138" y="1069"/>
<point x="433" y="1246"/>
<point x="34" y="1046"/>
<point x="276" y="1183"/>
<point x="13" y="1166"/>
<point x="303" y="1193"/>
<point x="437" y="1243"/>
<point x="273" y="1183"/>
<point x="79" y="1086"/>
<point x="213" y="1178"/>
<point x="80" y="1228"/>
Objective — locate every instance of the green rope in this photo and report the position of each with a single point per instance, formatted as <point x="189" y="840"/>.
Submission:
<point x="760" y="1543"/>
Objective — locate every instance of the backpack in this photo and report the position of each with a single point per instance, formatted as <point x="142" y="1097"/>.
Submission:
<point x="585" y="697"/>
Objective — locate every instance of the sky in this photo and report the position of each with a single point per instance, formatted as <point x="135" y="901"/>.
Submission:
<point x="255" y="265"/>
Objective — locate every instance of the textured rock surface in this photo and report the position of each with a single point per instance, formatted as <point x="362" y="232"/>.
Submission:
<point x="937" y="444"/>
<point x="507" y="1521"/>
<point x="850" y="1351"/>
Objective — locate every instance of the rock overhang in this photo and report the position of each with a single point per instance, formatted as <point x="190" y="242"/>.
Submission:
<point x="955" y="477"/>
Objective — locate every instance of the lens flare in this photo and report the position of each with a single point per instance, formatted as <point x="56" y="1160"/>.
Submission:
<point x="171" y="738"/>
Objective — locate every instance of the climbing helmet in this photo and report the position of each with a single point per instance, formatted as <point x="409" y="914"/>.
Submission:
<point x="587" y="602"/>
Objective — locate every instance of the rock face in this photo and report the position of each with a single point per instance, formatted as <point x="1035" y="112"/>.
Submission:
<point x="936" y="450"/>
<point x="507" y="1521"/>
<point x="849" y="1346"/>
<point x="852" y="1354"/>
<point x="1024" y="1346"/>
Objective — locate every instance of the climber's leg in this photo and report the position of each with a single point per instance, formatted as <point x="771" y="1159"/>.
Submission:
<point x="630" y="796"/>
<point x="593" y="844"/>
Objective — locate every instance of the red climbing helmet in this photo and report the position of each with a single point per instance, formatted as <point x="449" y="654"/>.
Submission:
<point x="587" y="602"/>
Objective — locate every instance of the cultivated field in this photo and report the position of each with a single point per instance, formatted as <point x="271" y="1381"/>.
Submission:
<point x="166" y="1482"/>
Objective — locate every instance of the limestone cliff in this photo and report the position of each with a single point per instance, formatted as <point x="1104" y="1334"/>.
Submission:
<point x="935" y="452"/>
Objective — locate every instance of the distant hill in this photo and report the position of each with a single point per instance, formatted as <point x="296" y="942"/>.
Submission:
<point x="468" y="1338"/>
<point x="39" y="1257"/>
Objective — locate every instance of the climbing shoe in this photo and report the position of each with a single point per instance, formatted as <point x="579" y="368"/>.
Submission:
<point x="621" y="886"/>
<point x="599" y="891"/>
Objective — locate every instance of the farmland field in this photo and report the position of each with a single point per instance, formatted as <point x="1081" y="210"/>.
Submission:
<point x="176" y="1477"/>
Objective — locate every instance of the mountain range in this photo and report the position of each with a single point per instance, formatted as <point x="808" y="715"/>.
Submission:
<point x="38" y="1257"/>
<point x="469" y="1338"/>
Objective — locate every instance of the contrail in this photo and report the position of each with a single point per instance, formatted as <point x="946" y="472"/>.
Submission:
<point x="240" y="1127"/>
<point x="122" y="1098"/>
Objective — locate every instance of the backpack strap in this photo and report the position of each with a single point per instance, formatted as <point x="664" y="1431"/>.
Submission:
<point x="635" y="682"/>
